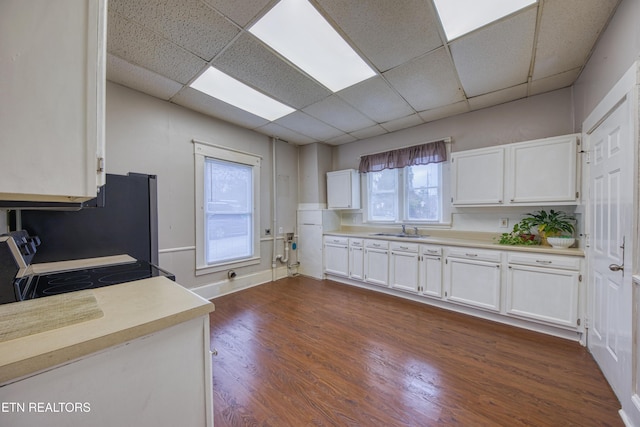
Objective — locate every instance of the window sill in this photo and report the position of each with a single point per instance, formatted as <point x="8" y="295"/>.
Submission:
<point x="208" y="269"/>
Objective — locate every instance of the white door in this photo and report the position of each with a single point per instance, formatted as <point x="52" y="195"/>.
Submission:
<point x="310" y="250"/>
<point x="610" y="226"/>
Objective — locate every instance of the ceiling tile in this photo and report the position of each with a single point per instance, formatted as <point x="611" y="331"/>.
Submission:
<point x="387" y="33"/>
<point x="306" y="125"/>
<point x="498" y="97"/>
<point x="568" y="31"/>
<point x="427" y="82"/>
<point x="188" y="23"/>
<point x="557" y="81"/>
<point x="198" y="101"/>
<point x="369" y="132"/>
<point x="251" y="62"/>
<point x="240" y="12"/>
<point x="124" y="73"/>
<point x="497" y="56"/>
<point x="342" y="139"/>
<point x="139" y="46"/>
<point x="337" y="113"/>
<point x="376" y="100"/>
<point x="274" y="129"/>
<point x="445" y="111"/>
<point x="402" y="123"/>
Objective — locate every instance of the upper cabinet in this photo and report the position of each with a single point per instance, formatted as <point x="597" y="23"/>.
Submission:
<point x="52" y="106"/>
<point x="343" y="189"/>
<point x="528" y="173"/>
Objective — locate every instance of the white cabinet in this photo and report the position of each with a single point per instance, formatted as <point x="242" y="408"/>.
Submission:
<point x="543" y="171"/>
<point x="52" y="106"/>
<point x="430" y="271"/>
<point x="473" y="277"/>
<point x="343" y="189"/>
<point x="163" y="379"/>
<point x="376" y="262"/>
<point x="356" y="259"/>
<point x="403" y="266"/>
<point x="311" y="226"/>
<point x="525" y="173"/>
<point x="478" y="176"/>
<point x="336" y="255"/>
<point x="544" y="288"/>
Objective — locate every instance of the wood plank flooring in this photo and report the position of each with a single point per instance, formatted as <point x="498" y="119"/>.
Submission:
<point x="303" y="352"/>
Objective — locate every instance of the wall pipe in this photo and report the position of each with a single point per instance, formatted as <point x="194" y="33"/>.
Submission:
<point x="274" y="207"/>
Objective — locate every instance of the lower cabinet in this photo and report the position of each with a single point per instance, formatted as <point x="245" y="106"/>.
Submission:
<point x="544" y="289"/>
<point x="403" y="266"/>
<point x="376" y="262"/>
<point x="473" y="277"/>
<point x="430" y="271"/>
<point x="356" y="259"/>
<point x="336" y="255"/>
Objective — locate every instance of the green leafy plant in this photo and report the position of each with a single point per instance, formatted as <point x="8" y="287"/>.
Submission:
<point x="552" y="223"/>
<point x="519" y="235"/>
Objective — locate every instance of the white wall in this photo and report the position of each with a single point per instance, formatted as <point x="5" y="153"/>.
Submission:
<point x="148" y="135"/>
<point x="541" y="116"/>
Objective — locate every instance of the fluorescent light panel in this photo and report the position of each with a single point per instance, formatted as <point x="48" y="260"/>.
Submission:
<point x="460" y="17"/>
<point x="217" y="84"/>
<point x="296" y="30"/>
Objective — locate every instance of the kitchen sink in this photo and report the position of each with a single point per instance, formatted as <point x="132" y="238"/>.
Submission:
<point x="404" y="235"/>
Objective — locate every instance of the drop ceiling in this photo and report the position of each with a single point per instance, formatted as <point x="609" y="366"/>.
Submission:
<point x="158" y="47"/>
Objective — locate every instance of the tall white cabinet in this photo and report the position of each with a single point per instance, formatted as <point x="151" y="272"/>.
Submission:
<point x="52" y="104"/>
<point x="311" y="226"/>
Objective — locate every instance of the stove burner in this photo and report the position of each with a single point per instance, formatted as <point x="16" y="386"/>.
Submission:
<point x="124" y="276"/>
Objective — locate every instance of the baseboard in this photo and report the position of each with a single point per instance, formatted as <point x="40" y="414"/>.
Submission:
<point x="229" y="286"/>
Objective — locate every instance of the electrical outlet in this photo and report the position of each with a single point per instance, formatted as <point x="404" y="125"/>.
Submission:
<point x="504" y="222"/>
<point x="280" y="230"/>
<point x="267" y="232"/>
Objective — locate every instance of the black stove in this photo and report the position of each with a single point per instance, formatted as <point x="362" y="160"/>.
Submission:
<point x="16" y="251"/>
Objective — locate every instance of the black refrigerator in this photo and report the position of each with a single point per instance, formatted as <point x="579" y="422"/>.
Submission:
<point x="125" y="221"/>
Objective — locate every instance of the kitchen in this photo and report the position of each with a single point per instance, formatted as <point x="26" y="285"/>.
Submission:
<point x="146" y="134"/>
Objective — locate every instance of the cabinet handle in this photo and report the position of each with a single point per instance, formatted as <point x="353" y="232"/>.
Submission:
<point x="375" y="245"/>
<point x="471" y="255"/>
<point x="432" y="251"/>
<point x="541" y="261"/>
<point x="404" y="247"/>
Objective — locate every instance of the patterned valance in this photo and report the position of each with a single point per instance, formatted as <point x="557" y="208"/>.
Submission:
<point x="432" y="152"/>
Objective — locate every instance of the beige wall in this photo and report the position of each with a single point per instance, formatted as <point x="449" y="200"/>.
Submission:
<point x="147" y="135"/>
<point x="313" y="164"/>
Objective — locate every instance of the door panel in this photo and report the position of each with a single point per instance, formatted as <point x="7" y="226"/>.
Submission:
<point x="610" y="225"/>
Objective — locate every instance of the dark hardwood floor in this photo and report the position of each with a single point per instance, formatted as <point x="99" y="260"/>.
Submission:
<point x="303" y="352"/>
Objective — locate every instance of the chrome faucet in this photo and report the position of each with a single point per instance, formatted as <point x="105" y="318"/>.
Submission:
<point x="404" y="230"/>
<point x="415" y="230"/>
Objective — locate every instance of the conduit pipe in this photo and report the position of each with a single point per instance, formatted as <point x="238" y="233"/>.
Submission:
<point x="274" y="208"/>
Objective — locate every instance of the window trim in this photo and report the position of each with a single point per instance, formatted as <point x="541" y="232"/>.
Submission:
<point x="201" y="151"/>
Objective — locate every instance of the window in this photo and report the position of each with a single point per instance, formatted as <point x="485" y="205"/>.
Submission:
<point x="412" y="194"/>
<point x="227" y="201"/>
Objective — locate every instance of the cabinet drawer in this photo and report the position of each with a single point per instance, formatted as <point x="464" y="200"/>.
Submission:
<point x="477" y="254"/>
<point x="431" y="250"/>
<point x="356" y="242"/>
<point x="543" y="260"/>
<point x="336" y="240"/>
<point x="376" y="244"/>
<point x="404" y="247"/>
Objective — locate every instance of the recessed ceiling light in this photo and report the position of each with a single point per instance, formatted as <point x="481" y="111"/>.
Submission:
<point x="217" y="84"/>
<point x="296" y="30"/>
<point x="460" y="17"/>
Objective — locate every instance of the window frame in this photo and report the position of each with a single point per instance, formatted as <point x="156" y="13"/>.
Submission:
<point x="401" y="199"/>
<point x="202" y="151"/>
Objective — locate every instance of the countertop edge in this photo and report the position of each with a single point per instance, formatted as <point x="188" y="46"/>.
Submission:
<point x="79" y="340"/>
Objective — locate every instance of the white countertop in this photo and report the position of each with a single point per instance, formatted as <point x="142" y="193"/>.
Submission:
<point x="131" y="310"/>
<point x="454" y="238"/>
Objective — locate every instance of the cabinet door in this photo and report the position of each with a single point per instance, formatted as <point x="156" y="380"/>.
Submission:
<point x="431" y="276"/>
<point x="475" y="283"/>
<point x="543" y="171"/>
<point x="543" y="294"/>
<point x="478" y="176"/>
<point x="52" y="106"/>
<point x="403" y="271"/>
<point x="376" y="266"/>
<point x="336" y="259"/>
<point x="343" y="189"/>
<point x="356" y="263"/>
<point x="310" y="250"/>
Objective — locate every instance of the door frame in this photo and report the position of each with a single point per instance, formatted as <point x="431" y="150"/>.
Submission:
<point x="626" y="87"/>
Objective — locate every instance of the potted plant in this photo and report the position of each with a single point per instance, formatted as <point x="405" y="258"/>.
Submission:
<point x="551" y="224"/>
<point x="520" y="235"/>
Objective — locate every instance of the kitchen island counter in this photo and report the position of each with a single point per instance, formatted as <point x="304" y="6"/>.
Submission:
<point x="128" y="311"/>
